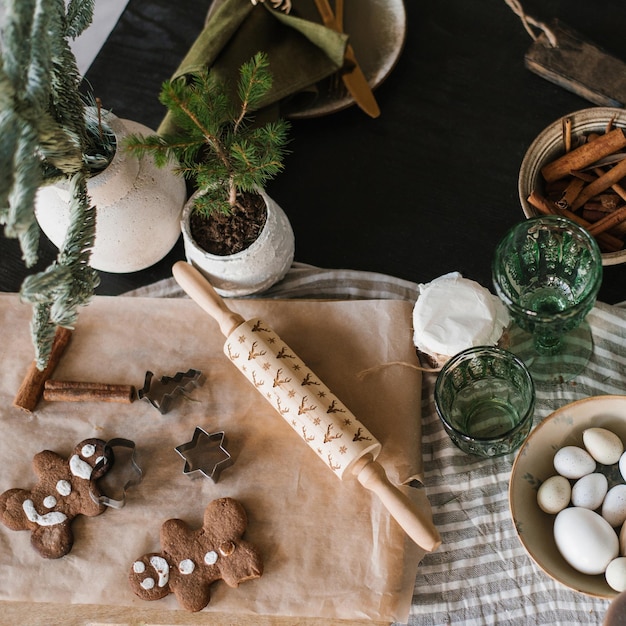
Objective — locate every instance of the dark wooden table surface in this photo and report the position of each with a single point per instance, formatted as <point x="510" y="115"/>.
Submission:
<point x="427" y="188"/>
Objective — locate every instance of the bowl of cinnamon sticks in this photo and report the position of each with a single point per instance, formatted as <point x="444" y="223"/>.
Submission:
<point x="576" y="167"/>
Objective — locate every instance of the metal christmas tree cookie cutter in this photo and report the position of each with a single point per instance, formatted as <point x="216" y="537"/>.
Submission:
<point x="205" y="453"/>
<point x="161" y="393"/>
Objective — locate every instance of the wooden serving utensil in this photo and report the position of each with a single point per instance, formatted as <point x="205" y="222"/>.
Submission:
<point x="330" y="430"/>
<point x="353" y="78"/>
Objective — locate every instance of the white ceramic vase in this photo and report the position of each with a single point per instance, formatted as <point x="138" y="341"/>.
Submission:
<point x="252" y="270"/>
<point x="138" y="207"/>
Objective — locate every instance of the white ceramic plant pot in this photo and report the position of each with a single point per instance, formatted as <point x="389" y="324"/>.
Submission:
<point x="138" y="208"/>
<point x="252" y="270"/>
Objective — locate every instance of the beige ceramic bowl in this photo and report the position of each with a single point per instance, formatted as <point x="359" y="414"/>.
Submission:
<point x="533" y="465"/>
<point x="548" y="146"/>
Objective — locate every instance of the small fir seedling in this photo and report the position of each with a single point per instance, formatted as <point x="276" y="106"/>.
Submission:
<point x="216" y="145"/>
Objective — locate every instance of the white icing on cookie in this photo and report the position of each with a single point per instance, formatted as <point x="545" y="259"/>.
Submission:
<point x="186" y="566"/>
<point x="139" y="567"/>
<point x="161" y="568"/>
<point x="48" y="519"/>
<point x="147" y="583"/>
<point x="210" y="558"/>
<point x="49" y="502"/>
<point x="88" y="450"/>
<point x="64" y="488"/>
<point x="80" y="468"/>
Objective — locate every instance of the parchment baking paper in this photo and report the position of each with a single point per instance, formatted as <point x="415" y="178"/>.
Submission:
<point x="330" y="548"/>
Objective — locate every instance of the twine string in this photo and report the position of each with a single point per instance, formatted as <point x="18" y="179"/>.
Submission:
<point x="376" y="368"/>
<point x="529" y="22"/>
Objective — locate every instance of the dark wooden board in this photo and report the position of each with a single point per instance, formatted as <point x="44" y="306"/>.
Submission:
<point x="579" y="66"/>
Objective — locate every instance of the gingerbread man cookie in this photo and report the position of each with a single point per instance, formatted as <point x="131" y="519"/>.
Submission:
<point x="64" y="491"/>
<point x="192" y="560"/>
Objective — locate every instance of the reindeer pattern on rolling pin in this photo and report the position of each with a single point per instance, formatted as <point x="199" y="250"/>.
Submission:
<point x="311" y="409"/>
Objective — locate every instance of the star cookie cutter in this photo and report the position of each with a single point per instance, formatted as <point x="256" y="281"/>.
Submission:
<point x="205" y="453"/>
<point x="161" y="393"/>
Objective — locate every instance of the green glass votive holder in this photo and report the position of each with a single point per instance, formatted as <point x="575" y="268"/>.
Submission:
<point x="485" y="398"/>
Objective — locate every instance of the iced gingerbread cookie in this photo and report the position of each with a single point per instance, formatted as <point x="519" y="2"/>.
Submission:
<point x="63" y="492"/>
<point x="191" y="560"/>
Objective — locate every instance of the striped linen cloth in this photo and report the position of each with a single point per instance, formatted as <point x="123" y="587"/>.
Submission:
<point x="481" y="574"/>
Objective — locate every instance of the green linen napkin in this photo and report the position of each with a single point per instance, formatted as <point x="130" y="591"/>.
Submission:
<point x="301" y="52"/>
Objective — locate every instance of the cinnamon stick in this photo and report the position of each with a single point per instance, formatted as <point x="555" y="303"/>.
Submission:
<point x="73" y="391"/>
<point x="606" y="202"/>
<point x="585" y="155"/>
<point x="612" y="219"/>
<point x="618" y="189"/>
<point x="608" y="179"/>
<point x="606" y="241"/>
<point x="592" y="215"/>
<point x="567" y="134"/>
<point x="609" y="125"/>
<point x="570" y="193"/>
<point x="31" y="389"/>
<point x="584" y="176"/>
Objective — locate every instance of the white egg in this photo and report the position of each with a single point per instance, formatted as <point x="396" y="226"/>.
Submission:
<point x="603" y="445"/>
<point x="622" y="540"/>
<point x="554" y="494"/>
<point x="616" y="574"/>
<point x="589" y="491"/>
<point x="585" y="540"/>
<point x="614" y="506"/>
<point x="573" y="462"/>
<point x="622" y="465"/>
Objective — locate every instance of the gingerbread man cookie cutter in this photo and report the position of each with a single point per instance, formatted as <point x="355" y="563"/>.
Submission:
<point x="205" y="453"/>
<point x="125" y="468"/>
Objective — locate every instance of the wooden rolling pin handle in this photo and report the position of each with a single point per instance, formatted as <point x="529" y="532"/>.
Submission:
<point x="411" y="518"/>
<point x="202" y="293"/>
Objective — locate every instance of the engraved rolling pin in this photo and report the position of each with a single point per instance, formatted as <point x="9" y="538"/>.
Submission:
<point x="342" y="442"/>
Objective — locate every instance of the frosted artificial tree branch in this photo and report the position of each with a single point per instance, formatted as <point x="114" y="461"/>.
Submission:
<point x="43" y="137"/>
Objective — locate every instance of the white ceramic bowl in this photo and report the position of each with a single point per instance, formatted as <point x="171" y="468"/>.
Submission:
<point x="548" y="146"/>
<point x="533" y="465"/>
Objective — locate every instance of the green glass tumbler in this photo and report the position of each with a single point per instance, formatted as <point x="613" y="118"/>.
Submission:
<point x="485" y="398"/>
<point x="547" y="271"/>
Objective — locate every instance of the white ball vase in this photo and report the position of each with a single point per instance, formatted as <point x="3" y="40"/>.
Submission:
<point x="138" y="207"/>
<point x="252" y="270"/>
